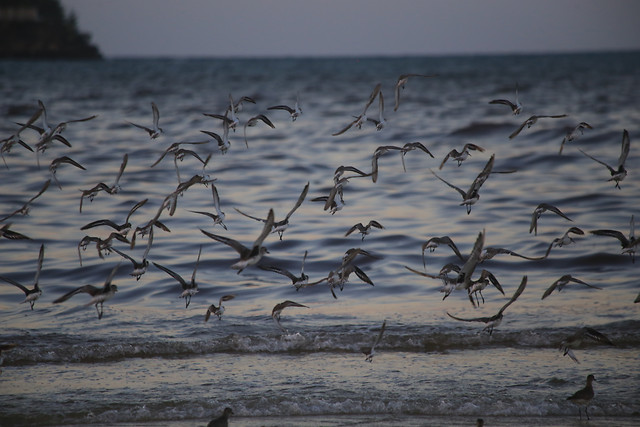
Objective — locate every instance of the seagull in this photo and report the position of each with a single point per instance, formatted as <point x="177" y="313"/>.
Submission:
<point x="155" y="131"/>
<point x="222" y="420"/>
<point x="410" y="146"/>
<point x="402" y="80"/>
<point x="461" y="156"/>
<point x="364" y="229"/>
<point x="277" y="311"/>
<point x="297" y="281"/>
<point x="280" y="226"/>
<point x="253" y="121"/>
<point x="574" y="133"/>
<point x="295" y="112"/>
<point x="334" y="201"/>
<point x="223" y="141"/>
<point x="139" y="268"/>
<point x="188" y="289"/>
<point x="449" y="283"/>
<point x="628" y="244"/>
<point x="24" y="210"/>
<point x="619" y="172"/>
<point x="219" y="216"/>
<point x="583" y="396"/>
<point x="114" y="189"/>
<point x="516" y="107"/>
<point x="537" y="213"/>
<point x="123" y="228"/>
<point x="370" y="352"/>
<point x="98" y="295"/>
<point x="376" y="155"/>
<point x="104" y="246"/>
<point x="61" y="160"/>
<point x="471" y="196"/>
<point x="10" y="141"/>
<point x="219" y="310"/>
<point x="232" y="121"/>
<point x="31" y="295"/>
<point x="248" y="256"/>
<point x="48" y="133"/>
<point x="11" y="235"/>
<point x="434" y="242"/>
<point x="464" y="280"/>
<point x="362" y="118"/>
<point x="576" y="339"/>
<point x="564" y="240"/>
<point x="486" y="278"/>
<point x="179" y="154"/>
<point x="381" y="121"/>
<point x="531" y="121"/>
<point x="495" y="320"/>
<point x="562" y="282"/>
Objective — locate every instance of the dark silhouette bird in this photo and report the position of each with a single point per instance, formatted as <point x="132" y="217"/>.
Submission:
<point x="31" y="295"/>
<point x="583" y="396"/>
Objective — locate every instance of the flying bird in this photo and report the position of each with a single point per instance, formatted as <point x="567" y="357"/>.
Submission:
<point x="248" y="256"/>
<point x="98" y="295"/>
<point x="516" y="106"/>
<point x="277" y="311"/>
<point x="531" y="121"/>
<point x="154" y="131"/>
<point x="369" y="352"/>
<point x="628" y="244"/>
<point x="562" y="282"/>
<point x="364" y="229"/>
<point x="461" y="156"/>
<point x="574" y="133"/>
<point x="188" y="288"/>
<point x="619" y="172"/>
<point x="471" y="196"/>
<point x="495" y="320"/>
<point x="31" y="295"/>
<point x="281" y="226"/>
<point x="402" y="81"/>
<point x="362" y="118"/>
<point x="539" y="210"/>
<point x="219" y="309"/>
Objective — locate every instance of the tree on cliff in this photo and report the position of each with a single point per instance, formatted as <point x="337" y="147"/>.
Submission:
<point x="40" y="29"/>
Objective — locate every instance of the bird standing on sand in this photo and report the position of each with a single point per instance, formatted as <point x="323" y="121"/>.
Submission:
<point x="222" y="420"/>
<point x="583" y="396"/>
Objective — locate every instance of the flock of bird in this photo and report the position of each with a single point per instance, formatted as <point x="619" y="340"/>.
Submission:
<point x="454" y="277"/>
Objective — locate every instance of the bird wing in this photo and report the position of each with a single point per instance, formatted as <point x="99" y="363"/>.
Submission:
<point x="278" y="270"/>
<point x="517" y="131"/>
<point x="39" y="267"/>
<point x="14" y="283"/>
<point x="481" y="178"/>
<point x="626" y="144"/>
<point x="156" y="114"/>
<point x="249" y="216"/>
<point x="268" y="225"/>
<point x="379" y="337"/>
<point x="515" y="296"/>
<point x="173" y="274"/>
<point x="282" y="107"/>
<point x="474" y="319"/>
<point x="89" y="289"/>
<point x="195" y="269"/>
<point x="299" y="201"/>
<point x="237" y="246"/>
<point x="459" y="190"/>
<point x="599" y="161"/>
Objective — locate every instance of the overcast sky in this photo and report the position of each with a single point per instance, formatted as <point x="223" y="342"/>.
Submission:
<point x="355" y="27"/>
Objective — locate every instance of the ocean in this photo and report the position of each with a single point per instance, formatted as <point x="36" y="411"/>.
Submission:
<point x="149" y="360"/>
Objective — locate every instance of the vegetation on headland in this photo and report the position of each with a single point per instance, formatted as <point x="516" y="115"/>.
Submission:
<point x="40" y="29"/>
